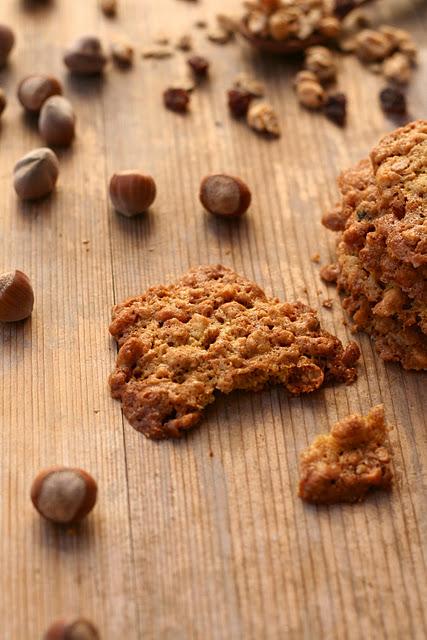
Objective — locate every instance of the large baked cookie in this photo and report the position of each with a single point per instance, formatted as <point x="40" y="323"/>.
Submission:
<point x="382" y="249"/>
<point x="211" y="331"/>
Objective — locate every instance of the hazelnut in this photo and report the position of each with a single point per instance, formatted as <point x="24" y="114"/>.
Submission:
<point x="64" y="495"/>
<point x="16" y="296"/>
<point x="85" y="56"/>
<point x="132" y="192"/>
<point x="35" y="174"/>
<point x="34" y="90"/>
<point x="122" y="53"/>
<point x="77" y="629"/>
<point x="7" y="40"/>
<point x="3" y="101"/>
<point x="57" y="121"/>
<point x="225" y="195"/>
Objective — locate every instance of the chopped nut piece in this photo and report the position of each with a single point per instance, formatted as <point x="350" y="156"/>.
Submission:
<point x="346" y="464"/>
<point x="393" y="101"/>
<point x="335" y="108"/>
<point x="122" y="53"/>
<point x="258" y="23"/>
<point x="320" y="61"/>
<point x="176" y="99"/>
<point x="185" y="42"/>
<point x="372" y="45"/>
<point x="262" y="118"/>
<point x="239" y="101"/>
<point x="159" y="52"/>
<point x="310" y="94"/>
<point x="246" y="83"/>
<point x="398" y="68"/>
<point x="282" y="24"/>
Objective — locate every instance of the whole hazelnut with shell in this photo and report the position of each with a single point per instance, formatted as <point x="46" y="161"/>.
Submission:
<point x="132" y="192"/>
<point x="64" y="495"/>
<point x="73" y="629"/>
<point x="224" y="195"/>
<point x="34" y="90"/>
<point x="7" y="40"/>
<point x="57" y="121"/>
<point x="85" y="56"/>
<point x="35" y="174"/>
<point x="16" y="296"/>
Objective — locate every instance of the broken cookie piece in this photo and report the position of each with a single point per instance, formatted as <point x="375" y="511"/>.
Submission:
<point x="349" y="462"/>
<point x="212" y="331"/>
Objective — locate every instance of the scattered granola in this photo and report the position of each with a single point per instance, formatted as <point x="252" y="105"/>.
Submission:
<point x="345" y="465"/>
<point x="262" y="118"/>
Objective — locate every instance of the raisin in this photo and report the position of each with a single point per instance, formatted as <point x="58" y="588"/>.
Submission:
<point x="335" y="108"/>
<point x="393" y="100"/>
<point x="176" y="99"/>
<point x="199" y="65"/>
<point x="239" y="101"/>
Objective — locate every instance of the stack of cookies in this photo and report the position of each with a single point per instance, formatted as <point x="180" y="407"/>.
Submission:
<point x="382" y="249"/>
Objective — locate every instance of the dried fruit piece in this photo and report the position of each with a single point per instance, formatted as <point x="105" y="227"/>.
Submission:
<point x="393" y="101"/>
<point x="262" y="118"/>
<point x="345" y="465"/>
<point x="335" y="108"/>
<point x="176" y="99"/>
<point x="199" y="65"/>
<point x="225" y="195"/>
<point x="7" y="41"/>
<point x="238" y="102"/>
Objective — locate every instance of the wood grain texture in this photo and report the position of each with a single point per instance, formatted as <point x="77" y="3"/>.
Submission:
<point x="202" y="538"/>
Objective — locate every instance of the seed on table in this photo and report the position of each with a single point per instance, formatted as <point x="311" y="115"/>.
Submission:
<point x="57" y="121"/>
<point x="35" y="174"/>
<point x="34" y="90"/>
<point x="132" y="192"/>
<point x="64" y="495"/>
<point x="7" y="40"/>
<point x="77" y="629"/>
<point x="225" y="195"/>
<point x="16" y="296"/>
<point x="85" y="56"/>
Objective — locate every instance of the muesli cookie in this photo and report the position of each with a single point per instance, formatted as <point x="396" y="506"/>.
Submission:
<point x="346" y="464"/>
<point x="212" y="331"/>
<point x="382" y="248"/>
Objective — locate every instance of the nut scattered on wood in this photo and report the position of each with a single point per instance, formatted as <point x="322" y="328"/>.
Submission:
<point x="35" y="175"/>
<point x="77" y="629"/>
<point x="109" y="7"/>
<point x="224" y="195"/>
<point x="16" y="296"/>
<point x="85" y="56"/>
<point x="34" y="90"/>
<point x="372" y="46"/>
<point x="122" y="52"/>
<point x="176" y="99"/>
<point x="64" y="495"/>
<point x="397" y="68"/>
<point x="132" y="192"/>
<point x="321" y="62"/>
<point x="310" y="93"/>
<point x="57" y="121"/>
<point x="184" y="42"/>
<point x="245" y="82"/>
<point x="7" y="41"/>
<point x="199" y="65"/>
<point x="263" y="118"/>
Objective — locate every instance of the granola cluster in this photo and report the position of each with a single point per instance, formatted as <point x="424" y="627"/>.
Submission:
<point x="346" y="464"/>
<point x="212" y="331"/>
<point x="382" y="250"/>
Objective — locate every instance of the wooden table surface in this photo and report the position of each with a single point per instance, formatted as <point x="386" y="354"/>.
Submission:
<point x="205" y="537"/>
